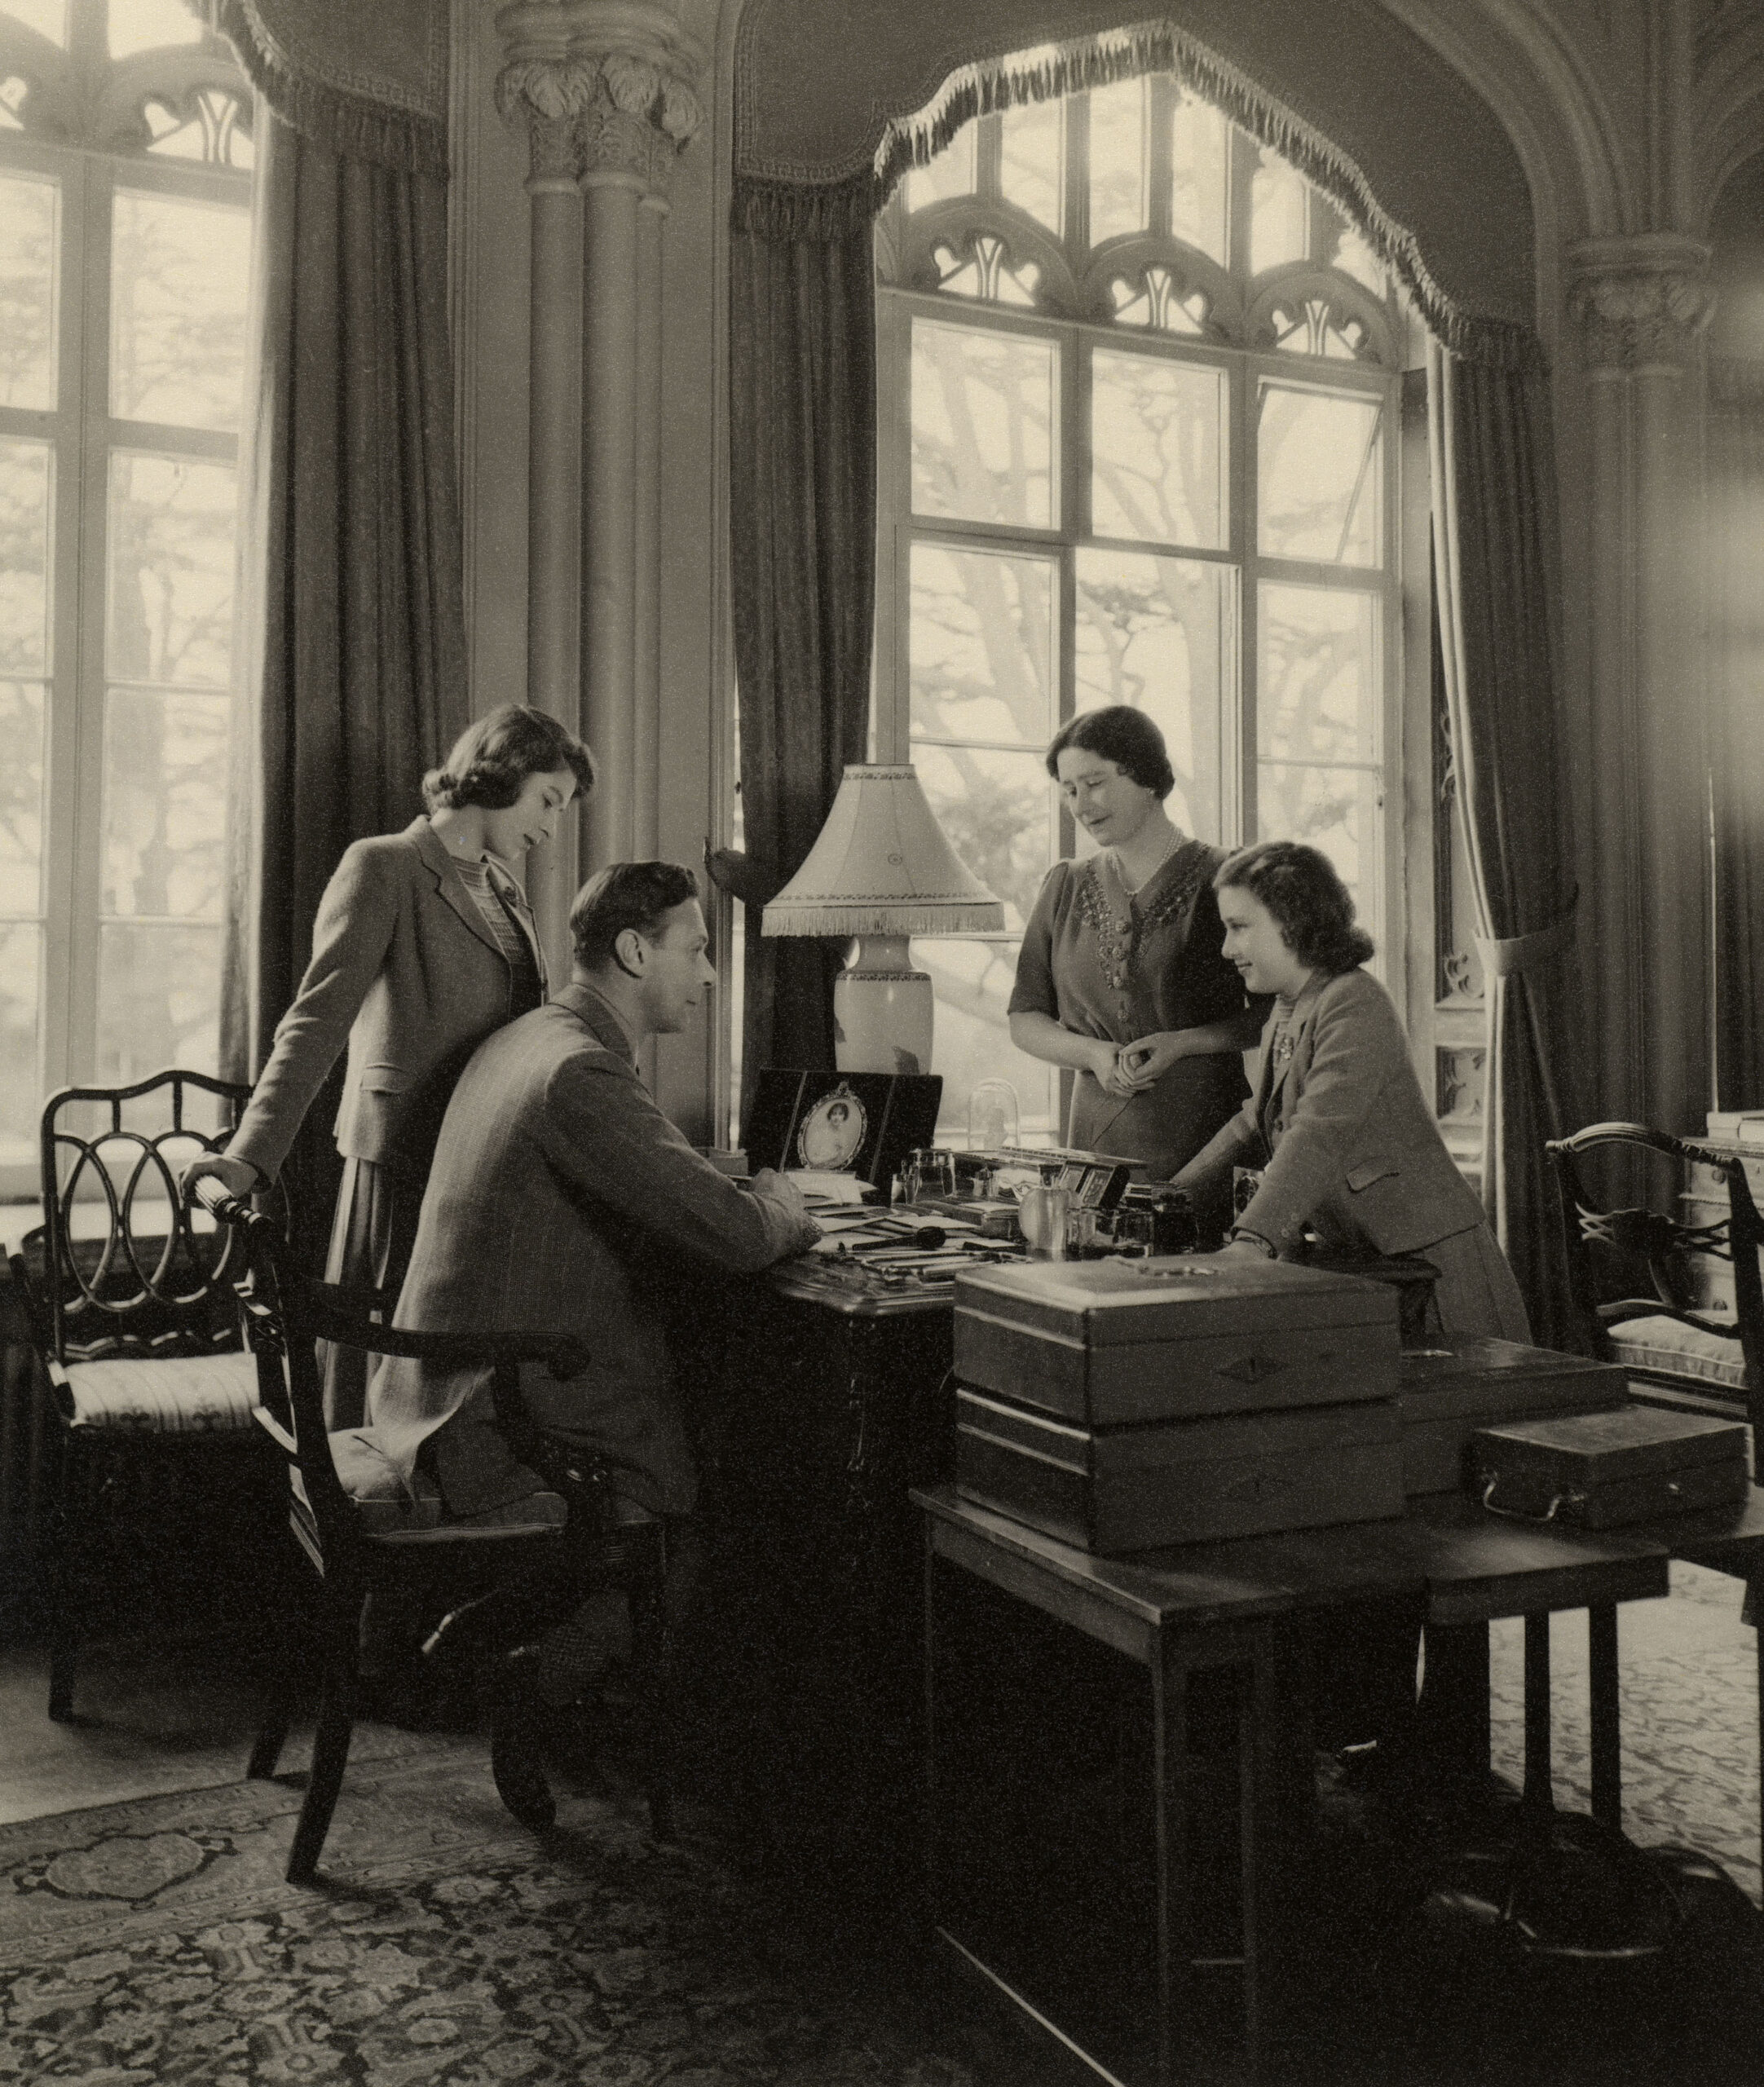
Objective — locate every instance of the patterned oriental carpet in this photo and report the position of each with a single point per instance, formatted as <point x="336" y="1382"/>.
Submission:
<point x="155" y="1941"/>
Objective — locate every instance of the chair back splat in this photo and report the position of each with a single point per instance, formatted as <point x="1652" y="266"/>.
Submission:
<point x="370" y="1534"/>
<point x="1649" y="1280"/>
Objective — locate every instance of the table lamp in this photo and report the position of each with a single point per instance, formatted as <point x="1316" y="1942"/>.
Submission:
<point x="881" y="871"/>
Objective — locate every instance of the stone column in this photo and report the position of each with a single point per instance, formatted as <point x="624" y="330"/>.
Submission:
<point x="545" y="89"/>
<point x="1641" y="305"/>
<point x="620" y="75"/>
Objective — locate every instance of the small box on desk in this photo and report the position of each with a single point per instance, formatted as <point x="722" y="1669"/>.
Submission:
<point x="1598" y="1471"/>
<point x="1122" y="1405"/>
<point x="1113" y="1342"/>
<point x="1449" y="1392"/>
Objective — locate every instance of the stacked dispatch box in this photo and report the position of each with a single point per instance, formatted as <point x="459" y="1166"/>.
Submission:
<point x="1123" y="1404"/>
<point x="1450" y="1392"/>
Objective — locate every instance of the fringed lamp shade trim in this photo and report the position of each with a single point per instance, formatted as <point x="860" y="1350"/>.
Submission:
<point x="783" y="211"/>
<point x="882" y="866"/>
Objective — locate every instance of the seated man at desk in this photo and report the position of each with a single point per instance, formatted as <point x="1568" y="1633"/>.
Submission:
<point x="562" y="1200"/>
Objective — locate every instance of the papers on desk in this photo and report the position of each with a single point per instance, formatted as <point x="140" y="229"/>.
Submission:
<point x="858" y="1232"/>
<point x="825" y="1189"/>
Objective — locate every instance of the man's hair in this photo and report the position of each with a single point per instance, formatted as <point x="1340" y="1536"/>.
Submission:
<point x="1122" y="734"/>
<point x="1311" y="907"/>
<point x="492" y="760"/>
<point x="625" y="895"/>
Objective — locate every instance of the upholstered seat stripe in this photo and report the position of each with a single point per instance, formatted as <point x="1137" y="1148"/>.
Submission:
<point x="169" y="1395"/>
<point x="1666" y="1345"/>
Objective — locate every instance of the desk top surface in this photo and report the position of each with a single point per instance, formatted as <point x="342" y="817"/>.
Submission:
<point x="1465" y="1564"/>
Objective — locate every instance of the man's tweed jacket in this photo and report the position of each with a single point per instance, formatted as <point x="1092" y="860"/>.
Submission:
<point x="562" y="1200"/>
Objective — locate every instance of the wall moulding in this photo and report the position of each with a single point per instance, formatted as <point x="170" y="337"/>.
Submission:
<point x="1641" y="305"/>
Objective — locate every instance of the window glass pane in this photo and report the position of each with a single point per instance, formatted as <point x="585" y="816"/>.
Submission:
<point x="1317" y="656"/>
<point x="27" y="292"/>
<point x="1032" y="167"/>
<point x="158" y="999"/>
<point x="1335" y="810"/>
<point x="981" y="647"/>
<point x="1157" y="632"/>
<point x="24" y="495"/>
<point x="972" y="982"/>
<point x="951" y="173"/>
<point x="164" y="803"/>
<point x="983" y="415"/>
<point x="1117" y="159"/>
<point x="177" y="271"/>
<point x="21" y="1088"/>
<point x="171" y="569"/>
<point x="49" y="18"/>
<point x="1319" y="476"/>
<point x="998" y="810"/>
<point x="21" y="796"/>
<point x="1158" y="449"/>
<point x="1278" y="207"/>
<point x="1353" y="255"/>
<point x="146" y="24"/>
<point x="1199" y="149"/>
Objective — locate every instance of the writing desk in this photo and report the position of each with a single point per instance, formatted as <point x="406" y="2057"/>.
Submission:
<point x="1238" y="1606"/>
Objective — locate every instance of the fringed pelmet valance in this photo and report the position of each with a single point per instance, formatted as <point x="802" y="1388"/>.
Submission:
<point x="774" y="210"/>
<point x="366" y="78"/>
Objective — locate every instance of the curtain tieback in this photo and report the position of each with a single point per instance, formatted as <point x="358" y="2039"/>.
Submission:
<point x="1504" y="957"/>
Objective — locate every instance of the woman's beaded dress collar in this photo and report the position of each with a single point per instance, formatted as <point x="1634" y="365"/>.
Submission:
<point x="1119" y="918"/>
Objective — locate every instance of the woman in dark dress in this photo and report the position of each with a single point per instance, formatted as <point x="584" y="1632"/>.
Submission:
<point x="1121" y="977"/>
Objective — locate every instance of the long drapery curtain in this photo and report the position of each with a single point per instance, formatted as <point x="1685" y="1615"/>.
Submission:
<point x="1736" y="582"/>
<point x="352" y="637"/>
<point x="1493" y="529"/>
<point x="802" y="473"/>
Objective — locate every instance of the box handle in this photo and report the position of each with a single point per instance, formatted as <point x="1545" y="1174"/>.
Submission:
<point x="1519" y="1514"/>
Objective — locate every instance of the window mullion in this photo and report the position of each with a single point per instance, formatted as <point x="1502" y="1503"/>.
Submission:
<point x="84" y="935"/>
<point x="1240" y="806"/>
<point x="61" y="720"/>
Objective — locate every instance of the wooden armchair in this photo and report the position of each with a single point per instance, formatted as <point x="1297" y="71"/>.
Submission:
<point x="365" y="1534"/>
<point x="1630" y="1270"/>
<point x="132" y="1310"/>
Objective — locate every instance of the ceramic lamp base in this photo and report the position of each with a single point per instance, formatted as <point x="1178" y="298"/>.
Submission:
<point x="882" y="1009"/>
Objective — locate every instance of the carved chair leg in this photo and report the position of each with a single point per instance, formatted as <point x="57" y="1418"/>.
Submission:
<point x="652" y="1657"/>
<point x="330" y="1744"/>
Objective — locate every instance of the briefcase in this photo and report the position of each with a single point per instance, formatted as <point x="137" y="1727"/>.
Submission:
<point x="1597" y="1470"/>
<point x="1116" y="1490"/>
<point x="1450" y="1390"/>
<point x="1119" y="1343"/>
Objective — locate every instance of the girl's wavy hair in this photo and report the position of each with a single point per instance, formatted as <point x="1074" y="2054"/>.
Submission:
<point x="1311" y="904"/>
<point x="493" y="758"/>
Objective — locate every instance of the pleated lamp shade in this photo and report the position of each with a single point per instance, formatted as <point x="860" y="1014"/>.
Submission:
<point x="882" y="870"/>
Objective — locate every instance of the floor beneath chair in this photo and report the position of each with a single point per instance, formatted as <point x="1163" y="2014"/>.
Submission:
<point x="169" y="1721"/>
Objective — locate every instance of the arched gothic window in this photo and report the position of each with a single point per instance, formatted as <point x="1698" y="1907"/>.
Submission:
<point x="1139" y="438"/>
<point x="125" y="194"/>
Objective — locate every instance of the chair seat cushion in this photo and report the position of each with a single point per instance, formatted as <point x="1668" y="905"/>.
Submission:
<point x="161" y="1395"/>
<point x="1668" y="1345"/>
<point x="387" y="1506"/>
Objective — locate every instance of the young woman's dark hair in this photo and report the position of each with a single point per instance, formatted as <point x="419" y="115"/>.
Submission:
<point x="1122" y="734"/>
<point x="493" y="758"/>
<point x="1310" y="903"/>
<point x="625" y="895"/>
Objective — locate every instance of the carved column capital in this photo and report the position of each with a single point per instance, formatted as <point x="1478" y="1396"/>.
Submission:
<point x="621" y="75"/>
<point x="1641" y="304"/>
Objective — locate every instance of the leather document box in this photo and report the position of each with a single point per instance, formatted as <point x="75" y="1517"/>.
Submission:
<point x="1119" y="1342"/>
<point x="1597" y="1470"/>
<point x="1121" y="1489"/>
<point x="1450" y="1392"/>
